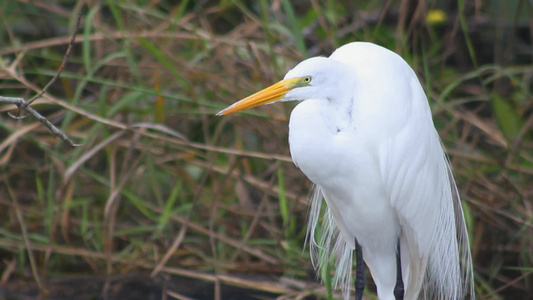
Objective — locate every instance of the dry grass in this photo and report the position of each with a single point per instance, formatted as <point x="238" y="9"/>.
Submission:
<point x="163" y="186"/>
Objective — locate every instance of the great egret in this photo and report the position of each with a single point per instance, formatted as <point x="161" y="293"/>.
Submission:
<point x="364" y="135"/>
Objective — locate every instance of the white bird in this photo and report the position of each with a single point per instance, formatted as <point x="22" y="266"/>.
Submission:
<point x="364" y="135"/>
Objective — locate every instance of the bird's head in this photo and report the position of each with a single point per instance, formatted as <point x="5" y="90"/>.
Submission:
<point x="313" y="78"/>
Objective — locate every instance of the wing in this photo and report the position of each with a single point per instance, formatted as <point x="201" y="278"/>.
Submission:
<point x="420" y="184"/>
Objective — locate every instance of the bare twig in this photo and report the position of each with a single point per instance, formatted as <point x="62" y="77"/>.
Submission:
<point x="61" y="67"/>
<point x="22" y="104"/>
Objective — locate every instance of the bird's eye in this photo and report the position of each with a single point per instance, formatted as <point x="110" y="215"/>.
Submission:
<point x="307" y="79"/>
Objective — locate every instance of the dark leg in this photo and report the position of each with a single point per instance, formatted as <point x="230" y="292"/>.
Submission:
<point x="398" y="289"/>
<point x="359" y="272"/>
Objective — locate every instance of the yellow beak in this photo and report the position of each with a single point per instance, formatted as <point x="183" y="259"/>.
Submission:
<point x="270" y="94"/>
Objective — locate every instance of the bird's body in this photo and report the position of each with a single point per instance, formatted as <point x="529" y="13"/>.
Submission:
<point x="364" y="135"/>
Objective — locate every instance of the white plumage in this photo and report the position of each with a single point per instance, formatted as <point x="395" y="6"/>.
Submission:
<point x="364" y="135"/>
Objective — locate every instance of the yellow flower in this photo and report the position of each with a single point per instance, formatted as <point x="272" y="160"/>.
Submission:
<point x="436" y="16"/>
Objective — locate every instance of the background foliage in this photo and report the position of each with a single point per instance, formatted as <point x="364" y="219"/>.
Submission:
<point x="166" y="200"/>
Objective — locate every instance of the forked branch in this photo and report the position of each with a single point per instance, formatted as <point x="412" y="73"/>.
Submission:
<point x="23" y="104"/>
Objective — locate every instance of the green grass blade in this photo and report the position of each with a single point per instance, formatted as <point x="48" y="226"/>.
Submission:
<point x="86" y="44"/>
<point x="163" y="60"/>
<point x="283" y="203"/>
<point x="295" y="29"/>
<point x="509" y="120"/>
<point x="168" y="211"/>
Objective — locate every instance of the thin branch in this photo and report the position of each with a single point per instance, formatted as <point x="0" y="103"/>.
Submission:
<point x="61" y="67"/>
<point x="19" y="102"/>
<point x="22" y="104"/>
